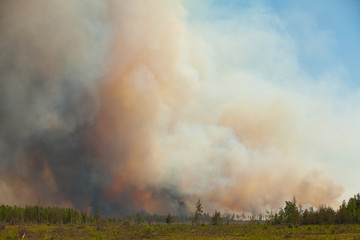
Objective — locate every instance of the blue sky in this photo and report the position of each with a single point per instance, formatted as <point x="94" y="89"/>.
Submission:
<point x="332" y="25"/>
<point x="341" y="18"/>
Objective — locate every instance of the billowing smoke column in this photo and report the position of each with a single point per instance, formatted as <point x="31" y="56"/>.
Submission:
<point x="116" y="105"/>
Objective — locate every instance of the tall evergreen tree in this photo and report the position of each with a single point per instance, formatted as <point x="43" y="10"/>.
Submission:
<point x="198" y="212"/>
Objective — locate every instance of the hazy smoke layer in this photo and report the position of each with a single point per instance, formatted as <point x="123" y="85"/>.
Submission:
<point x="120" y="106"/>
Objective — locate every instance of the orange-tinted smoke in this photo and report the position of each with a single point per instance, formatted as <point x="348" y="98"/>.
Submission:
<point x="145" y="80"/>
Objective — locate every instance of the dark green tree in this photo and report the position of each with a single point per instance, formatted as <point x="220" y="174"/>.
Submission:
<point x="169" y="219"/>
<point x="96" y="217"/>
<point x="291" y="212"/>
<point x="325" y="215"/>
<point x="216" y="219"/>
<point x="198" y="212"/>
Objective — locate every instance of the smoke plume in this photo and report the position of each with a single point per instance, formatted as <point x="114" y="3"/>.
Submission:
<point x="122" y="106"/>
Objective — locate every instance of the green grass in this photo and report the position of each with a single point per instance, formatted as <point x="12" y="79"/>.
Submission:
<point x="180" y="231"/>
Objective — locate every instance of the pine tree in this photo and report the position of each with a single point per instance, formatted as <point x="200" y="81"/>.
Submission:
<point x="198" y="212"/>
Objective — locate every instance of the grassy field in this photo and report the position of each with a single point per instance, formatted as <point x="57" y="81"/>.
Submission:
<point x="180" y="231"/>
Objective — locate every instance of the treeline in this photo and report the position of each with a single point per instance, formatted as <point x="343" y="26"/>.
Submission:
<point x="15" y="215"/>
<point x="44" y="215"/>
<point x="292" y="213"/>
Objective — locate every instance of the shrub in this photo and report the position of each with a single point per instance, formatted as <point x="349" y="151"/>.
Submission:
<point x="148" y="230"/>
<point x="2" y="226"/>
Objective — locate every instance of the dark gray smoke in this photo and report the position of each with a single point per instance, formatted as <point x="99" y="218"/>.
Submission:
<point x="51" y="60"/>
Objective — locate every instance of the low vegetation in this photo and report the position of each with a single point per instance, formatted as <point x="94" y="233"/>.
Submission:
<point x="180" y="231"/>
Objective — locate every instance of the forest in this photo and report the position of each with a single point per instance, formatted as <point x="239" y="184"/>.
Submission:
<point x="292" y="213"/>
